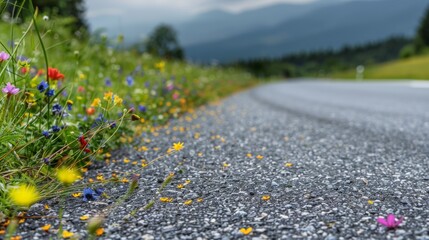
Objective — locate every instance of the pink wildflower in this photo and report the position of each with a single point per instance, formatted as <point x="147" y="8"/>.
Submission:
<point x="390" y="221"/>
<point x="175" y="96"/>
<point x="10" y="89"/>
<point x="4" y="56"/>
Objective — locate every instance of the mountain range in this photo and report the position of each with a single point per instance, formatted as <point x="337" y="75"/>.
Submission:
<point x="288" y="28"/>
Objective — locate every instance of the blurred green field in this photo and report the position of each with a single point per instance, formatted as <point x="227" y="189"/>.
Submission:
<point x="412" y="68"/>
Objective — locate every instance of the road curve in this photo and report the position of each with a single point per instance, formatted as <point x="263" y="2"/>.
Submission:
<point x="286" y="160"/>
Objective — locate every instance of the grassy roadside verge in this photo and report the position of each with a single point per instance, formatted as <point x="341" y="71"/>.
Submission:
<point x="66" y="102"/>
<point x="411" y="68"/>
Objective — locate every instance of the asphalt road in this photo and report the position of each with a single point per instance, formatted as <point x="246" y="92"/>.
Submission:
<point x="398" y="108"/>
<point x="291" y="160"/>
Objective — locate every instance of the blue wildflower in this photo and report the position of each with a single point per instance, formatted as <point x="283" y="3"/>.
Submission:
<point x="42" y="86"/>
<point x="55" y="128"/>
<point x="99" y="191"/>
<point x="142" y="108"/>
<point x="112" y="125"/>
<point x="50" y="92"/>
<point x="57" y="109"/>
<point x="130" y="80"/>
<point x="91" y="195"/>
<point x="108" y="82"/>
<point x="98" y="121"/>
<point x="45" y="133"/>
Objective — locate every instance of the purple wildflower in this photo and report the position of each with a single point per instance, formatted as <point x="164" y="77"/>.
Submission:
<point x="4" y="56"/>
<point x="10" y="89"/>
<point x="170" y="87"/>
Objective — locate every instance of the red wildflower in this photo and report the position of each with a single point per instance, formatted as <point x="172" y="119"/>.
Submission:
<point x="84" y="144"/>
<point x="90" y="111"/>
<point x="40" y="72"/>
<point x="24" y="70"/>
<point x="55" y="74"/>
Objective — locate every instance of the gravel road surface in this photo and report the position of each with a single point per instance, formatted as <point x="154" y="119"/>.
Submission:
<point x="297" y="159"/>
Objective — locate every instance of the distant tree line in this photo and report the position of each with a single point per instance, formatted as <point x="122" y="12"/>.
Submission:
<point x="420" y="45"/>
<point x="321" y="63"/>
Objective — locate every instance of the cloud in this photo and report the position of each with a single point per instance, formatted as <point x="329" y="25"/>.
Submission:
<point x="105" y="12"/>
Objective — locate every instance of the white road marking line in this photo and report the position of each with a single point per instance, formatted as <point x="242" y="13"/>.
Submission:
<point x="419" y="84"/>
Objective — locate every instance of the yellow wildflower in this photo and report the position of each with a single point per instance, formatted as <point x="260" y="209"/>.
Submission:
<point x="46" y="227"/>
<point x="178" y="146"/>
<point x="117" y="100"/>
<point x="108" y="96"/>
<point x="160" y="66"/>
<point x="166" y="199"/>
<point x="24" y="195"/>
<point x="266" y="197"/>
<point x="29" y="98"/>
<point x="34" y="81"/>
<point x="96" y="102"/>
<point x="67" y="234"/>
<point x="84" y="217"/>
<point x="188" y="202"/>
<point x="99" y="231"/>
<point x="288" y="165"/>
<point x="76" y="195"/>
<point x="67" y="175"/>
<point x="246" y="231"/>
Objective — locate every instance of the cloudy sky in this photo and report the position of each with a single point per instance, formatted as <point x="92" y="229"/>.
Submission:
<point x="115" y="15"/>
<point x="188" y="7"/>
